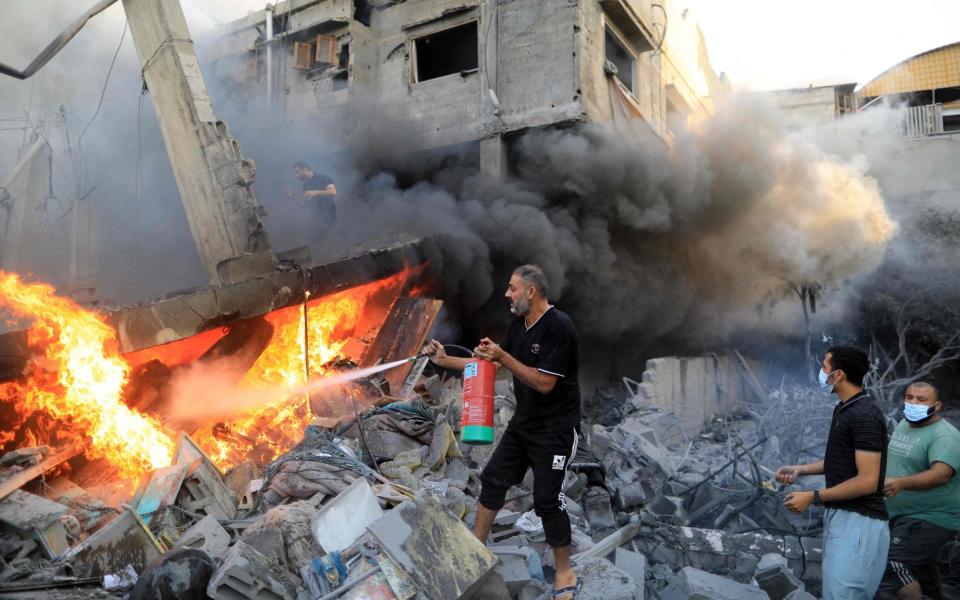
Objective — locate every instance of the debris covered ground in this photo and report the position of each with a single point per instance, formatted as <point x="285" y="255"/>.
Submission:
<point x="385" y="510"/>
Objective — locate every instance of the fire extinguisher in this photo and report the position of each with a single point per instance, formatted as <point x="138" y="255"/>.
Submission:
<point x="476" y="421"/>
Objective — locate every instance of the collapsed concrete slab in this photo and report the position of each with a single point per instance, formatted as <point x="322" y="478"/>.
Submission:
<point x="700" y="585"/>
<point x="124" y="541"/>
<point x="434" y="547"/>
<point x="603" y="581"/>
<point x="632" y="563"/>
<point x="35" y="517"/>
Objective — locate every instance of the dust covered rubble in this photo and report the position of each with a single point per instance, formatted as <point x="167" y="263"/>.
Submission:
<point x="385" y="510"/>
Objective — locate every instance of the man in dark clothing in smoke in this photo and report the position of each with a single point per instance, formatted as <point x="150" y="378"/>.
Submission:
<point x="319" y="196"/>
<point x="540" y="350"/>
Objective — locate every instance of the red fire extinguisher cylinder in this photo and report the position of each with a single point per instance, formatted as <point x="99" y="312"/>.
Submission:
<point x="476" y="421"/>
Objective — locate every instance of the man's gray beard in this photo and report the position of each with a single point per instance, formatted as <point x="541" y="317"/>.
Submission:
<point x="521" y="308"/>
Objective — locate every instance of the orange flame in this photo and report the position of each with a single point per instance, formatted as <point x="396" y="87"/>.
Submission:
<point x="332" y="320"/>
<point x="80" y="379"/>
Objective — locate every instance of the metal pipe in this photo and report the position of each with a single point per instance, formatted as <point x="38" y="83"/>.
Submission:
<point x="57" y="44"/>
<point x="269" y="43"/>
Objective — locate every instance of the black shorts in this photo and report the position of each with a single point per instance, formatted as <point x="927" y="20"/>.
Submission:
<point x="914" y="551"/>
<point x="547" y="454"/>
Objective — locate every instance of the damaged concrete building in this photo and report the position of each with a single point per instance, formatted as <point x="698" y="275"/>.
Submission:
<point x="361" y="489"/>
<point x="468" y="73"/>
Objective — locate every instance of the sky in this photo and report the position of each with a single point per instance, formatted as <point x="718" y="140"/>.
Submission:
<point x="772" y="44"/>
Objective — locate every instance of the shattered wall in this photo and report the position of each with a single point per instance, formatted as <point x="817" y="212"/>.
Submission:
<point x="539" y="64"/>
<point x="693" y="388"/>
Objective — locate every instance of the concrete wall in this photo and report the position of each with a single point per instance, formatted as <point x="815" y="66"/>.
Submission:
<point x="693" y="388"/>
<point x="805" y="105"/>
<point x="543" y="60"/>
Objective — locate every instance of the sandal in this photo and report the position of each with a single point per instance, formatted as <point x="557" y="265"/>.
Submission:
<point x="573" y="589"/>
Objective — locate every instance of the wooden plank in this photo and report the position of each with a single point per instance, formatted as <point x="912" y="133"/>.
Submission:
<point x="21" y="478"/>
<point x="402" y="335"/>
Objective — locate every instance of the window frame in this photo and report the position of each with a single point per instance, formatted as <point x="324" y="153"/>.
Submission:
<point x="609" y="28"/>
<point x="412" y="41"/>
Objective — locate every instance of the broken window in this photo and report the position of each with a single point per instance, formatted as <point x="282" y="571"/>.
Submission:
<point x="616" y="52"/>
<point x="446" y="52"/>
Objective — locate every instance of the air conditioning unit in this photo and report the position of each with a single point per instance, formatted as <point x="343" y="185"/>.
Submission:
<point x="326" y="53"/>
<point x="302" y="56"/>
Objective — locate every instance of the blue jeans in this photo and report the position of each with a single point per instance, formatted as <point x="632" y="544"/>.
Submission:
<point x="854" y="555"/>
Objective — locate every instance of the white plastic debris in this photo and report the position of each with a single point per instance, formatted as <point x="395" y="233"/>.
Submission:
<point x="122" y="580"/>
<point x="529" y="522"/>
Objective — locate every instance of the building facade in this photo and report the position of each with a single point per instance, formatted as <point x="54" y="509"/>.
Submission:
<point x="469" y="71"/>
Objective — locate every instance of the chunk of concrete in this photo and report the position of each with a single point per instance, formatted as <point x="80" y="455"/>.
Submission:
<point x="435" y="548"/>
<point x="778" y="581"/>
<point x="345" y="518"/>
<point x="203" y="491"/>
<point x="124" y="541"/>
<point x="207" y="535"/>
<point x="512" y="569"/>
<point x="268" y="541"/>
<point x="800" y="595"/>
<point x="632" y="563"/>
<point x="385" y="445"/>
<point x="603" y="581"/>
<point x="772" y="559"/>
<point x="596" y="505"/>
<point x="700" y="585"/>
<point x="247" y="574"/>
<point x="35" y="517"/>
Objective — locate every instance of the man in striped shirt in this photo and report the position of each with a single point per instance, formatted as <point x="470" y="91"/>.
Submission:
<point x="855" y="532"/>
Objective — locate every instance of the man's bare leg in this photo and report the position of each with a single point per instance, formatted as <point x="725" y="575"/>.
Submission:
<point x="910" y="592"/>
<point x="485" y="517"/>
<point x="565" y="576"/>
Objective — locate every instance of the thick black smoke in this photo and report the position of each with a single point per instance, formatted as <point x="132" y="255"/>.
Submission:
<point x="644" y="245"/>
<point x="647" y="246"/>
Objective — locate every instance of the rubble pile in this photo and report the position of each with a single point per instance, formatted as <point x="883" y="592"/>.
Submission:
<point x="383" y="508"/>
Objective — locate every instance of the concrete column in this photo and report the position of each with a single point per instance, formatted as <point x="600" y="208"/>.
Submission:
<point x="22" y="195"/>
<point x="493" y="157"/>
<point x="212" y="175"/>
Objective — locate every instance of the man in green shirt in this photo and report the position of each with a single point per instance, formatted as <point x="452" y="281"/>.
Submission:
<point x="923" y="495"/>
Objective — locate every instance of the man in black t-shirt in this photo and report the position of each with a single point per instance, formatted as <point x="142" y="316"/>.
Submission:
<point x="319" y="195"/>
<point x="540" y="350"/>
<point x="855" y="532"/>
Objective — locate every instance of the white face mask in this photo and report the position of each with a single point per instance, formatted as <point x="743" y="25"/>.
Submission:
<point x="824" y="377"/>
<point x="917" y="413"/>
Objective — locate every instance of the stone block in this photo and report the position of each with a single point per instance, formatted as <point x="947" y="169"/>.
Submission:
<point x="632" y="563"/>
<point x="268" y="541"/>
<point x="596" y="506"/>
<point x="603" y="581"/>
<point x="35" y="517"/>
<point x="246" y="573"/>
<point x="124" y="541"/>
<point x="668" y="506"/>
<point x="206" y="534"/>
<point x="700" y="585"/>
<point x="385" y="445"/>
<point x="778" y="581"/>
<point x="434" y="548"/>
<point x="203" y="490"/>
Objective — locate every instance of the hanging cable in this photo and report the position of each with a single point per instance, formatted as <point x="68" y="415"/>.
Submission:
<point x="104" y="91"/>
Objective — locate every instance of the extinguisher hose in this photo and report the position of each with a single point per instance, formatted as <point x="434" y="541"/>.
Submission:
<point x="459" y="347"/>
